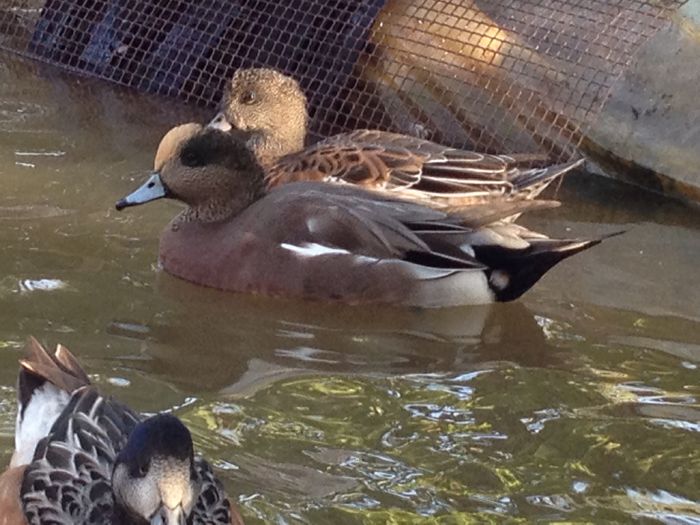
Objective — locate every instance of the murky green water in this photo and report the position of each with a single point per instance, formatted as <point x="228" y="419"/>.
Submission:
<point x="577" y="404"/>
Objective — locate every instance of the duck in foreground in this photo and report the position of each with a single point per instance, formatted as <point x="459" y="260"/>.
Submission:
<point x="272" y="107"/>
<point x="83" y="458"/>
<point x="332" y="242"/>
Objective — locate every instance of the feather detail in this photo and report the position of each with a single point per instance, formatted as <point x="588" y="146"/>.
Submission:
<point x="68" y="477"/>
<point x="44" y="386"/>
<point x="212" y="507"/>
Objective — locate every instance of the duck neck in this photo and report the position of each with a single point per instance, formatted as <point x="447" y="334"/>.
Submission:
<point x="219" y="210"/>
<point x="210" y="212"/>
<point x="269" y="146"/>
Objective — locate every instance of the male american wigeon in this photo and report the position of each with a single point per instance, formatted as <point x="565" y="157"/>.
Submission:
<point x="333" y="242"/>
<point x="272" y="107"/>
<point x="84" y="458"/>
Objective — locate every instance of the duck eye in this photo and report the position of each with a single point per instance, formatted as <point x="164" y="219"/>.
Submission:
<point x="192" y="159"/>
<point x="248" y="97"/>
<point x="141" y="469"/>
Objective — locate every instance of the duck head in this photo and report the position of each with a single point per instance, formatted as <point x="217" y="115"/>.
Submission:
<point x="211" y="171"/>
<point x="269" y="105"/>
<point x="154" y="479"/>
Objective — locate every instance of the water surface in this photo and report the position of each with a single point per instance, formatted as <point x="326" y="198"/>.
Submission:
<point x="578" y="403"/>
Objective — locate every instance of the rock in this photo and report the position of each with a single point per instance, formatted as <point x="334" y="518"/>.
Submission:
<point x="648" y="133"/>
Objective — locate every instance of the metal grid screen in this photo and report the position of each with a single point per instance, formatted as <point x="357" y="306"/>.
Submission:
<point x="502" y="76"/>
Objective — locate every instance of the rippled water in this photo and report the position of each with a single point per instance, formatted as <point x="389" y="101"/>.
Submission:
<point x="578" y="403"/>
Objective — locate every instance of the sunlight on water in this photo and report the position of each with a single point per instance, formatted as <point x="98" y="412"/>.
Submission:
<point x="579" y="403"/>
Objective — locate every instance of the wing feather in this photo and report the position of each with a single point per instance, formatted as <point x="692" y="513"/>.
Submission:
<point x="213" y="506"/>
<point x="415" y="169"/>
<point x="68" y="481"/>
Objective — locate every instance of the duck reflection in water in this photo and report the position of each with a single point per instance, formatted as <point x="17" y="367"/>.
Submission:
<point x="250" y="341"/>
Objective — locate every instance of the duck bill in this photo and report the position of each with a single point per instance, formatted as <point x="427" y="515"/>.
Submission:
<point x="220" y="122"/>
<point x="166" y="516"/>
<point x="150" y="190"/>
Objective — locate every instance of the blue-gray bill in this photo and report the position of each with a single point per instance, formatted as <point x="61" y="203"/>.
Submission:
<point x="151" y="190"/>
<point x="220" y="122"/>
<point x="166" y="516"/>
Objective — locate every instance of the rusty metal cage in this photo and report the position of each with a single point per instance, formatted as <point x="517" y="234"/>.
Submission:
<point x="501" y="76"/>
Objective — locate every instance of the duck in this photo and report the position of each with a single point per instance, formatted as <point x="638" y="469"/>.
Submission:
<point x="82" y="457"/>
<point x="318" y="241"/>
<point x="272" y="107"/>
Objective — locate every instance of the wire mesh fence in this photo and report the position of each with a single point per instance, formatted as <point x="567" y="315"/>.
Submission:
<point x="502" y="76"/>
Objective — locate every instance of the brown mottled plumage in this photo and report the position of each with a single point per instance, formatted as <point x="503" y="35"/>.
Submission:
<point x="77" y="452"/>
<point x="272" y="107"/>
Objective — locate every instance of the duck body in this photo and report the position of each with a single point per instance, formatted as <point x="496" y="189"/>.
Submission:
<point x="314" y="240"/>
<point x="11" y="511"/>
<point x="100" y="462"/>
<point x="319" y="245"/>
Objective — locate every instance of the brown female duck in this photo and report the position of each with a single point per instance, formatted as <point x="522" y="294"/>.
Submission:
<point x="272" y="107"/>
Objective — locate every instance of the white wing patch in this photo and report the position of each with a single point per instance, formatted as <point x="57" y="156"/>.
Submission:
<point x="42" y="410"/>
<point x="467" y="248"/>
<point x="312" y="249"/>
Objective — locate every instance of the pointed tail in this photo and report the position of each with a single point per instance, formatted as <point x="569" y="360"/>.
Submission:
<point x="44" y="386"/>
<point x="513" y="272"/>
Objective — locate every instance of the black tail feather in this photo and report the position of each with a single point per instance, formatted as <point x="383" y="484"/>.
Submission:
<point x="513" y="272"/>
